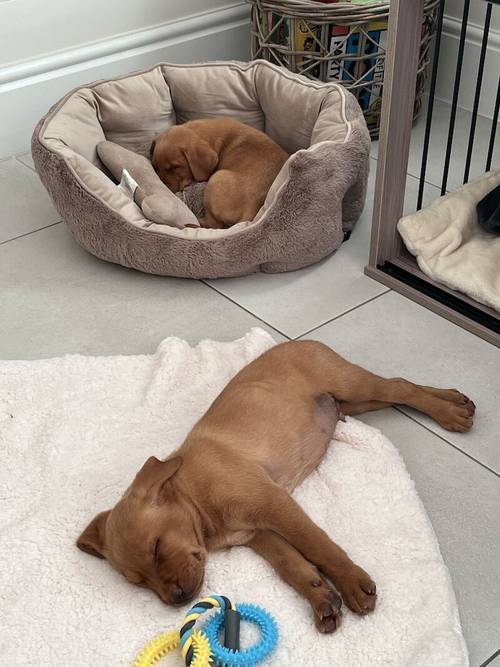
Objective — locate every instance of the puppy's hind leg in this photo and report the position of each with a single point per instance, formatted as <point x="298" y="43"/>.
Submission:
<point x="209" y="222"/>
<point x="224" y="199"/>
<point x="352" y="384"/>
<point x="301" y="575"/>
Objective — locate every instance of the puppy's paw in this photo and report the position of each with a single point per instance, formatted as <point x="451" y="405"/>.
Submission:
<point x="326" y="604"/>
<point x="456" y="415"/>
<point x="358" y="591"/>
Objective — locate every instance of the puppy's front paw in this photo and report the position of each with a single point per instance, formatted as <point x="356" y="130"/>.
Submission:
<point x="358" y="591"/>
<point x="326" y="603"/>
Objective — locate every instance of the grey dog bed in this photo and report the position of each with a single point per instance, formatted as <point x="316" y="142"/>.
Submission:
<point x="316" y="198"/>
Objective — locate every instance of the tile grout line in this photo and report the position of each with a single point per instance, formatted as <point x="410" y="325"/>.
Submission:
<point x="377" y="296"/>
<point x="469" y="456"/>
<point x="34" y="231"/>
<point x="490" y="659"/>
<point x="235" y="303"/>
<point x="415" y="176"/>
<point x="18" y="159"/>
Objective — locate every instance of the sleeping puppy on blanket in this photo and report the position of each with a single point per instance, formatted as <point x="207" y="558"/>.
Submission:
<point x="239" y="162"/>
<point x="229" y="483"/>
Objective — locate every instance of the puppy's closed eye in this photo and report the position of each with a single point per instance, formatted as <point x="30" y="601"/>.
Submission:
<point x="156" y="552"/>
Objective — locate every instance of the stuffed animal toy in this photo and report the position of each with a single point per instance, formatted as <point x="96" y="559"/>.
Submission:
<point x="158" y="203"/>
<point x="488" y="212"/>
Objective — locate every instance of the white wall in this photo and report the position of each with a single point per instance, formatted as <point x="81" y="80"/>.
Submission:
<point x="30" y="28"/>
<point x="477" y="10"/>
<point x="449" y="53"/>
<point x="48" y="47"/>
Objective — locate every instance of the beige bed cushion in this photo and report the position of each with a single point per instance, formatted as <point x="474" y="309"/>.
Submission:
<point x="132" y="110"/>
<point x="76" y="128"/>
<point x="205" y="91"/>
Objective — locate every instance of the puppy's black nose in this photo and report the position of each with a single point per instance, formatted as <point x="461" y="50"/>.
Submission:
<point x="178" y="595"/>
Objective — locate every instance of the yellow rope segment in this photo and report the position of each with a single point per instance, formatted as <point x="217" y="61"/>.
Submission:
<point x="194" y="617"/>
<point x="169" y="641"/>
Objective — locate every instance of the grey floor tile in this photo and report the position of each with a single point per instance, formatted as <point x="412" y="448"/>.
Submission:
<point x="58" y="299"/>
<point x="493" y="661"/>
<point x="394" y="336"/>
<point x="25" y="203"/>
<point x="437" y="146"/>
<point x="27" y="160"/>
<point x="462" y="500"/>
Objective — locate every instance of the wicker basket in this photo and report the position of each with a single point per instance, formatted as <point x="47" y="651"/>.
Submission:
<point x="337" y="41"/>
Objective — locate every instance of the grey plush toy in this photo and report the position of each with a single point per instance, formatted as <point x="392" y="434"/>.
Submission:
<point x="158" y="203"/>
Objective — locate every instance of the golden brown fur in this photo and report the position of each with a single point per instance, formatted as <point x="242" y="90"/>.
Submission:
<point x="229" y="483"/>
<point x="239" y="162"/>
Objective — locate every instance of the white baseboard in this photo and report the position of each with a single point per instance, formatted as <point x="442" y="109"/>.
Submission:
<point x="448" y="62"/>
<point x="29" y="88"/>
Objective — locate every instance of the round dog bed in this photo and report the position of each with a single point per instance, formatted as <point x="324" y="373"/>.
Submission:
<point x="314" y="201"/>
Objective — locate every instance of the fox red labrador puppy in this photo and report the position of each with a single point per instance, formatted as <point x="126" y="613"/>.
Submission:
<point x="229" y="483"/>
<point x="239" y="162"/>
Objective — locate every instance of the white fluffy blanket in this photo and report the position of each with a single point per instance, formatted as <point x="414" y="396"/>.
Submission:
<point x="73" y="431"/>
<point x="451" y="247"/>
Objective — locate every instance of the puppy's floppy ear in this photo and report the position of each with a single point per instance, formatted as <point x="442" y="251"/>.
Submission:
<point x="154" y="472"/>
<point x="152" y="149"/>
<point x="201" y="158"/>
<point x="92" y="539"/>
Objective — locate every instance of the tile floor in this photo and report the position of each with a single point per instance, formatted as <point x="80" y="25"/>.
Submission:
<point x="55" y="298"/>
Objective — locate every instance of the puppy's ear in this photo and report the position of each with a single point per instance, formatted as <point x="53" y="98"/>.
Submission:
<point x="201" y="158"/>
<point x="155" y="472"/>
<point x="92" y="539"/>
<point x="152" y="149"/>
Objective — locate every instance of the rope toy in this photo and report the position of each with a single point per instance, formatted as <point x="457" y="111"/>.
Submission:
<point x="169" y="641"/>
<point x="199" y="649"/>
<point x="186" y="631"/>
<point x="250" y="656"/>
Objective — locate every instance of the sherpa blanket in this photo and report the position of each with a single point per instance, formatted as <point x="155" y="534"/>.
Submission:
<point x="451" y="247"/>
<point x="73" y="432"/>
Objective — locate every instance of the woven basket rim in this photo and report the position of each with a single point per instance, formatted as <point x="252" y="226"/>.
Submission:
<point x="332" y="8"/>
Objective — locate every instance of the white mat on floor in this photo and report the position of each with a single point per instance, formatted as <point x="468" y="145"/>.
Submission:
<point x="73" y="432"/>
<point x="451" y="247"/>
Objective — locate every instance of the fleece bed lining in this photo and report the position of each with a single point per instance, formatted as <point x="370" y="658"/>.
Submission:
<point x="450" y="246"/>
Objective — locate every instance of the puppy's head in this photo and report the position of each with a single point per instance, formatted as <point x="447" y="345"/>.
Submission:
<point x="180" y="156"/>
<point x="152" y="536"/>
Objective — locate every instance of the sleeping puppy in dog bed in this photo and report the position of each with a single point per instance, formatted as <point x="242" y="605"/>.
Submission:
<point x="239" y="162"/>
<point x="229" y="483"/>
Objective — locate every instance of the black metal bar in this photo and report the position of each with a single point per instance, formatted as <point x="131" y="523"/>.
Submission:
<point x="456" y="90"/>
<point x="477" y="95"/>
<point x="493" y="128"/>
<point x="430" y="107"/>
<point x="463" y="307"/>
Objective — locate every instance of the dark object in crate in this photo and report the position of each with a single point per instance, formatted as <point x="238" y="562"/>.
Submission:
<point x="488" y="212"/>
<point x="337" y="41"/>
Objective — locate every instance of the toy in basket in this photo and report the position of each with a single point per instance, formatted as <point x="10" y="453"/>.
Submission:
<point x="342" y="41"/>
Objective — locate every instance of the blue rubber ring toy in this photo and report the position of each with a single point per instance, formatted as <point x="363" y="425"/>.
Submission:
<point x="246" y="657"/>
